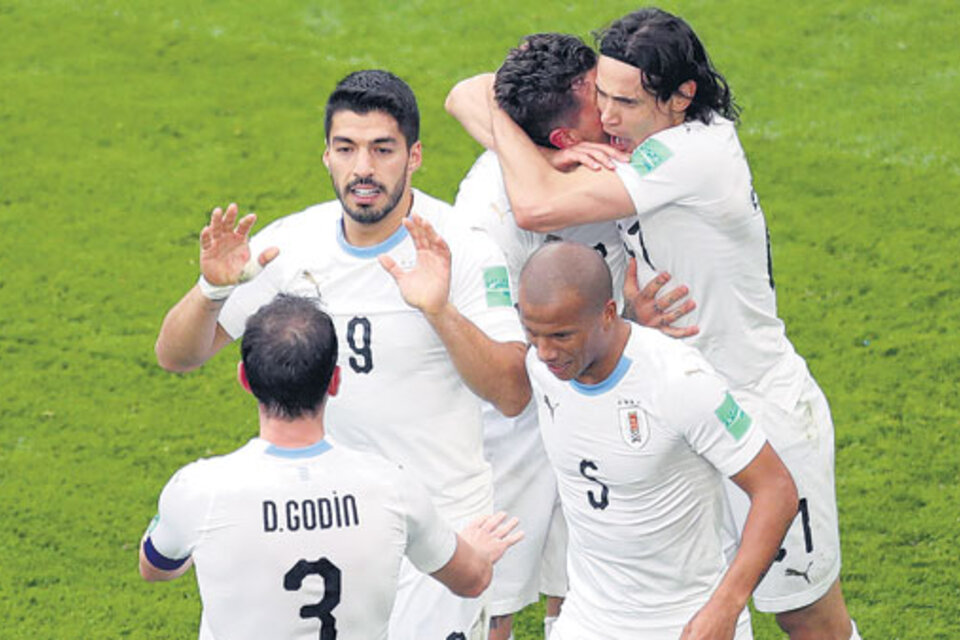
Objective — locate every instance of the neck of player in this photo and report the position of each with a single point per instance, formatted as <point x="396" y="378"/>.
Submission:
<point x="601" y="368"/>
<point x="298" y="433"/>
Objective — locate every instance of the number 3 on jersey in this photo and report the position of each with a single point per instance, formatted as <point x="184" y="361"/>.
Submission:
<point x="330" y="574"/>
<point x="359" y="338"/>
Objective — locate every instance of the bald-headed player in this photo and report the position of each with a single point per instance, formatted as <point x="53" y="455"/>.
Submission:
<point x="640" y="431"/>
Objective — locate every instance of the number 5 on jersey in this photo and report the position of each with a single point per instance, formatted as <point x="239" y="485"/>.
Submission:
<point x="604" y="500"/>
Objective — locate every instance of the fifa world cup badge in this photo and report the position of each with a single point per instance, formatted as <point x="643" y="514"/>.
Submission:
<point x="633" y="426"/>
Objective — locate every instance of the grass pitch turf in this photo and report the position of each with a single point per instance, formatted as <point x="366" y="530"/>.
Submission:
<point x="123" y="123"/>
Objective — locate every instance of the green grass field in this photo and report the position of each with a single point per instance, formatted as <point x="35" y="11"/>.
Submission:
<point x="123" y="123"/>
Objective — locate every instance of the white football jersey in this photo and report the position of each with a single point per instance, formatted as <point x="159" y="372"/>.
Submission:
<point x="401" y="395"/>
<point x="699" y="218"/>
<point x="482" y="199"/>
<point x="297" y="543"/>
<point x="639" y="459"/>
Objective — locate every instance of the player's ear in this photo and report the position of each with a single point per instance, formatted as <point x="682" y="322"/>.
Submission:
<point x="610" y="313"/>
<point x="242" y="377"/>
<point x="562" y="137"/>
<point x="334" y="385"/>
<point x="684" y="95"/>
<point x="416" y="157"/>
<point x="326" y="157"/>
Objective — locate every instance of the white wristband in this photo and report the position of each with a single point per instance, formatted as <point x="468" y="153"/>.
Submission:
<point x="214" y="292"/>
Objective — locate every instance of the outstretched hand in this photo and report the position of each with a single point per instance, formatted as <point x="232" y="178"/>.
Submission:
<point x="225" y="248"/>
<point x="491" y="536"/>
<point x="593" y="155"/>
<point x="645" y="307"/>
<point x="426" y="286"/>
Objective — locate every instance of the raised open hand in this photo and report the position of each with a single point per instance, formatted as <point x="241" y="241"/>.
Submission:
<point x="426" y="285"/>
<point x="225" y="248"/>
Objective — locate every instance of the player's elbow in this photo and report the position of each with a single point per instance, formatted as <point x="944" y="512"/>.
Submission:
<point x="149" y="574"/>
<point x="450" y="103"/>
<point x="789" y="495"/>
<point x="169" y="362"/>
<point x="532" y="213"/>
<point x="783" y="497"/>
<point x="514" y="405"/>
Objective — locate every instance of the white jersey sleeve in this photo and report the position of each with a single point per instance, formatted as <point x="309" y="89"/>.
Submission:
<point x="712" y="422"/>
<point x="480" y="284"/>
<point x="430" y="540"/>
<point x="179" y="522"/>
<point x="655" y="176"/>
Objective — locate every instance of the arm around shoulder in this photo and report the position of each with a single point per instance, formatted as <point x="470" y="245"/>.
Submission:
<point x="544" y="198"/>
<point x="467" y="102"/>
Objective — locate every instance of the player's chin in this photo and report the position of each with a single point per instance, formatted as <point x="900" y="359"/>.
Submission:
<point x="561" y="370"/>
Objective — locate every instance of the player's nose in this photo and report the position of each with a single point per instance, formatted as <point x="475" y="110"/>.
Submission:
<point x="363" y="166"/>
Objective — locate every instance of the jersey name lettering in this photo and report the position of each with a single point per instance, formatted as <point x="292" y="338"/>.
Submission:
<point x="310" y="514"/>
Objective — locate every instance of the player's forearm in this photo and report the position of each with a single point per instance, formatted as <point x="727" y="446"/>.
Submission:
<point x="529" y="178"/>
<point x="188" y="335"/>
<point x="468" y="573"/>
<point x="467" y="102"/>
<point x="773" y="505"/>
<point x="493" y="370"/>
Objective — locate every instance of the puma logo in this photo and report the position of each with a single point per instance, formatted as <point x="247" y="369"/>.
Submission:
<point x="803" y="574"/>
<point x="309" y="277"/>
<point x="551" y="407"/>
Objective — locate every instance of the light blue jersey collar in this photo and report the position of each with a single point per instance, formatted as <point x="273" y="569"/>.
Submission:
<point x="623" y="365"/>
<point x="302" y="452"/>
<point x="373" y="251"/>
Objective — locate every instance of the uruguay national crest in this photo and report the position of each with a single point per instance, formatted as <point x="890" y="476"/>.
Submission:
<point x="633" y="426"/>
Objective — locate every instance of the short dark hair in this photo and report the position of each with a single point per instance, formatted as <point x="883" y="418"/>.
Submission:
<point x="376" y="90"/>
<point x="534" y="84"/>
<point x="668" y="52"/>
<point x="289" y="353"/>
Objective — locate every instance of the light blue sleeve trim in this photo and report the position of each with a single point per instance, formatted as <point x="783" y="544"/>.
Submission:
<point x="395" y="238"/>
<point x="612" y="380"/>
<point x="303" y="452"/>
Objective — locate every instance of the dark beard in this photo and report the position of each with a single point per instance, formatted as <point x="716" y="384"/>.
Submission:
<point x="369" y="215"/>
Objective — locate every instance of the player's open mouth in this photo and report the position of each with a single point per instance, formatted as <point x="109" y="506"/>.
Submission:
<point x="364" y="193"/>
<point x="621" y="144"/>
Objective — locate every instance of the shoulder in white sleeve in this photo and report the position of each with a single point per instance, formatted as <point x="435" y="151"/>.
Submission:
<point x="183" y="505"/>
<point x="711" y="420"/>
